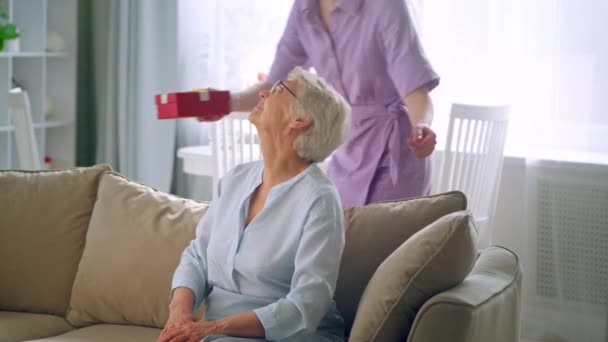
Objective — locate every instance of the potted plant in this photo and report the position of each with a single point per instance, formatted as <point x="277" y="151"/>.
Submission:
<point x="8" y="31"/>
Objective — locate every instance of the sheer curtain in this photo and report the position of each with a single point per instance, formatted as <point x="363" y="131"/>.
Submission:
<point x="549" y="60"/>
<point x="222" y="44"/>
<point x="134" y="60"/>
<point x="545" y="57"/>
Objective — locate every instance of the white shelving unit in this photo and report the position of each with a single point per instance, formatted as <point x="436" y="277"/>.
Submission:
<point x="47" y="76"/>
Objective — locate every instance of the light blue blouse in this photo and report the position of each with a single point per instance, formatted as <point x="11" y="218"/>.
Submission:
<point x="284" y="266"/>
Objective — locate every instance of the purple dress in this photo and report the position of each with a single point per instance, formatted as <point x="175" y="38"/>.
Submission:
<point x="373" y="57"/>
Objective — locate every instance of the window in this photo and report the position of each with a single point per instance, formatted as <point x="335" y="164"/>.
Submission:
<point x="548" y="58"/>
<point x="225" y="44"/>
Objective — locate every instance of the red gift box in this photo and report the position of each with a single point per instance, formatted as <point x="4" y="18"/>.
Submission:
<point x="193" y="104"/>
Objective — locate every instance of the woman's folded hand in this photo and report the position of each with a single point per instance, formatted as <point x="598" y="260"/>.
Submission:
<point x="190" y="331"/>
<point x="177" y="318"/>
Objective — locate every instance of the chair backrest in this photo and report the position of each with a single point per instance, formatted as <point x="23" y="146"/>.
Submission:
<point x="21" y="116"/>
<point x="234" y="141"/>
<point x="473" y="158"/>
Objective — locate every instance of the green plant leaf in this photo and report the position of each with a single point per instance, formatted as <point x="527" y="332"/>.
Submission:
<point x="9" y="31"/>
<point x="1" y="44"/>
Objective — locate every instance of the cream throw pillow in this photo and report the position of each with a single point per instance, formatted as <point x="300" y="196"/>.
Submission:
<point x="373" y="232"/>
<point x="433" y="260"/>
<point x="44" y="216"/>
<point x="134" y="243"/>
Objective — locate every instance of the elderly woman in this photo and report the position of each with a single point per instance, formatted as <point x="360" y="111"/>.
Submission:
<point x="266" y="254"/>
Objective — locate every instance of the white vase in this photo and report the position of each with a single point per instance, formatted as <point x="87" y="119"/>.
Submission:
<point x="11" y="45"/>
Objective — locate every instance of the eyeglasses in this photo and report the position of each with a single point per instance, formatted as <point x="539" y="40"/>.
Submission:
<point x="278" y="85"/>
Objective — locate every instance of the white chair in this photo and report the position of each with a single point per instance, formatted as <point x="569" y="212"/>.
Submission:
<point x="473" y="159"/>
<point x="21" y="116"/>
<point x="234" y="141"/>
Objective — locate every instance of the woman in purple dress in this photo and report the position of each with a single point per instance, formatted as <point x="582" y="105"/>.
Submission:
<point x="370" y="52"/>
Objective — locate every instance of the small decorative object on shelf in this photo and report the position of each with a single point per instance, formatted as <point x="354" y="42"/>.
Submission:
<point x="55" y="42"/>
<point x="9" y="35"/>
<point x="49" y="107"/>
<point x="16" y="84"/>
<point x="48" y="163"/>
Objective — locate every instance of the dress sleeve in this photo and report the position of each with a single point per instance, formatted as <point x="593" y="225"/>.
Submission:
<point x="290" y="52"/>
<point x="315" y="275"/>
<point x="407" y="63"/>
<point x="191" y="271"/>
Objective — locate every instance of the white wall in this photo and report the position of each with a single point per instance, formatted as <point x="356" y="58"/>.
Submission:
<point x="510" y="222"/>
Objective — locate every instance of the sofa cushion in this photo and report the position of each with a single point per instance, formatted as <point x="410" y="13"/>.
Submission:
<point x="22" y="326"/>
<point x="436" y="258"/>
<point x="134" y="243"/>
<point x="44" y="217"/>
<point x="105" y="333"/>
<point x="374" y="231"/>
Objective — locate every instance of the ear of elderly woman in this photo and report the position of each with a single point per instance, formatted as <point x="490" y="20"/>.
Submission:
<point x="266" y="254"/>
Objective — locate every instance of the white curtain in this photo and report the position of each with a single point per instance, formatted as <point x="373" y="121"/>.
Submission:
<point x="135" y="58"/>
<point x="224" y="45"/>
<point x="195" y="28"/>
<point x="549" y="60"/>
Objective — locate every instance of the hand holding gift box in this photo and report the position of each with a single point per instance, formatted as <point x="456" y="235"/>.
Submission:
<point x="203" y="103"/>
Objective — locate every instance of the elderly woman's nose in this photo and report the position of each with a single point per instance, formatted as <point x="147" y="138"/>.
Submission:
<point x="264" y="94"/>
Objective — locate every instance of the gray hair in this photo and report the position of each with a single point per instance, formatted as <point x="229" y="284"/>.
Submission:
<point x="330" y="114"/>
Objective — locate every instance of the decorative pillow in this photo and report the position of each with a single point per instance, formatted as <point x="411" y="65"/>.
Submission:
<point x="433" y="260"/>
<point x="373" y="232"/>
<point x="134" y="243"/>
<point x="44" y="216"/>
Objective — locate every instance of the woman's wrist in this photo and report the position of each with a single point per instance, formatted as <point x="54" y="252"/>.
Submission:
<point x="182" y="301"/>
<point x="218" y="327"/>
<point x="422" y="124"/>
<point x="245" y="101"/>
<point x="180" y="307"/>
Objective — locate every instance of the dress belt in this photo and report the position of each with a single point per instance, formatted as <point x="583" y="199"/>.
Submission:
<point x="389" y="116"/>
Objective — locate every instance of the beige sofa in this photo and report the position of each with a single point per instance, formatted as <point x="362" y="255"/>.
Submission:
<point x="88" y="255"/>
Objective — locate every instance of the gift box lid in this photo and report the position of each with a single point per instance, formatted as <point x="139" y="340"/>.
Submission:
<point x="202" y="95"/>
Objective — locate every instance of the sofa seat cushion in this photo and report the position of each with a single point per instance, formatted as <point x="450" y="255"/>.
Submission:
<point x="44" y="216"/>
<point x="436" y="258"/>
<point x="105" y="333"/>
<point x="374" y="231"/>
<point x="22" y="326"/>
<point x="134" y="243"/>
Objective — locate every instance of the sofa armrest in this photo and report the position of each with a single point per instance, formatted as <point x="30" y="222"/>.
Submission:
<point x="484" y="307"/>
